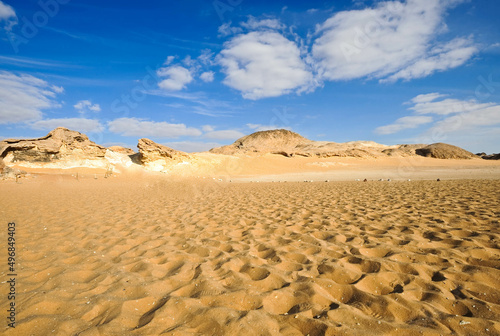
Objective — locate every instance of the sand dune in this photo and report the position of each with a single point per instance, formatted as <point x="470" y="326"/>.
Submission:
<point x="152" y="256"/>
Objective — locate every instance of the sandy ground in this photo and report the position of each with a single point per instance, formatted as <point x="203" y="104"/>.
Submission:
<point x="147" y="255"/>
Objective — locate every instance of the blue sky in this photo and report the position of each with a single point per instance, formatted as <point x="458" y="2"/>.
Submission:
<point x="198" y="74"/>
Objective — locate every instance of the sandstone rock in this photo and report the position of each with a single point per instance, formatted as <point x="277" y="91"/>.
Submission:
<point x="121" y="150"/>
<point x="444" y="151"/>
<point x="61" y="146"/>
<point x="157" y="157"/>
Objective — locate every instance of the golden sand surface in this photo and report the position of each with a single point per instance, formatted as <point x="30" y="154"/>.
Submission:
<point x="152" y="256"/>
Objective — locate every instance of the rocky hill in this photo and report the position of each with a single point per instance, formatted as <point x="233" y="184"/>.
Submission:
<point x="444" y="151"/>
<point x="290" y="144"/>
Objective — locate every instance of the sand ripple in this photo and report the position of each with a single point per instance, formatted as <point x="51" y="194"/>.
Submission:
<point x="152" y="257"/>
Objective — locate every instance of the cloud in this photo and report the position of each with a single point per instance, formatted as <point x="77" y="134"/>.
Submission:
<point x="84" y="106"/>
<point x="390" y="41"/>
<point x="451" y="55"/>
<point x="207" y="128"/>
<point x="226" y="29"/>
<point x="77" y="124"/>
<point x="192" y="146"/>
<point x="23" y="97"/>
<point x="139" y="127"/>
<point x="424" y="98"/>
<point x="427" y="104"/>
<point x="8" y="16"/>
<point x="455" y="120"/>
<point x="207" y="77"/>
<point x="404" y="123"/>
<point x="254" y="24"/>
<point x="224" y="135"/>
<point x="177" y="77"/>
<point x="264" y="64"/>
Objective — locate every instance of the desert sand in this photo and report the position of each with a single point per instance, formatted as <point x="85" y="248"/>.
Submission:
<point x="146" y="254"/>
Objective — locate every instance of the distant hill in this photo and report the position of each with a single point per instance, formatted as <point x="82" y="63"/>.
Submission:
<point x="291" y="144"/>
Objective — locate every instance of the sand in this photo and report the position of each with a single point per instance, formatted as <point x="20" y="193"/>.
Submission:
<point x="148" y="255"/>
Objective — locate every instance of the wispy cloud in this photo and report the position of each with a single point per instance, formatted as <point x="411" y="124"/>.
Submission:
<point x="24" y="97"/>
<point x="159" y="129"/>
<point x="403" y="123"/>
<point x="453" y="119"/>
<point x="36" y="63"/>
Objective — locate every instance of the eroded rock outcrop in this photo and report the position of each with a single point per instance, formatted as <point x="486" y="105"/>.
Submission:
<point x="121" y="150"/>
<point x="445" y="151"/>
<point x="60" y="148"/>
<point x="157" y="157"/>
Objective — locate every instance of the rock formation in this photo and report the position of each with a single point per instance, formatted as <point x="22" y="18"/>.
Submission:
<point x="489" y="156"/>
<point x="63" y="148"/>
<point x="158" y="157"/>
<point x="445" y="151"/>
<point x="60" y="148"/>
<point x="288" y="143"/>
<point x="121" y="150"/>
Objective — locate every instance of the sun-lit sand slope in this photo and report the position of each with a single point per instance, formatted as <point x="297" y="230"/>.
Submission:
<point x="148" y="257"/>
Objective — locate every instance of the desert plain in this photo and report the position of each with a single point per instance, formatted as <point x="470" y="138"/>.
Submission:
<point x="147" y="254"/>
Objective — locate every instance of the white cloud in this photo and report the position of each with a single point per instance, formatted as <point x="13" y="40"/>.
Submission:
<point x="207" y="76"/>
<point x="207" y="128"/>
<point x="192" y="146"/>
<point x="427" y="104"/>
<point x="177" y="77"/>
<point x="23" y="97"/>
<point x="76" y="124"/>
<point x="470" y="118"/>
<point x="169" y="60"/>
<point x="254" y="24"/>
<point x="138" y="127"/>
<point x="468" y="123"/>
<point x="226" y="29"/>
<point x="452" y="55"/>
<point x="424" y="98"/>
<point x="84" y="106"/>
<point x="264" y="64"/>
<point x="404" y="123"/>
<point x="393" y="38"/>
<point x="8" y="15"/>
<point x="224" y="135"/>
